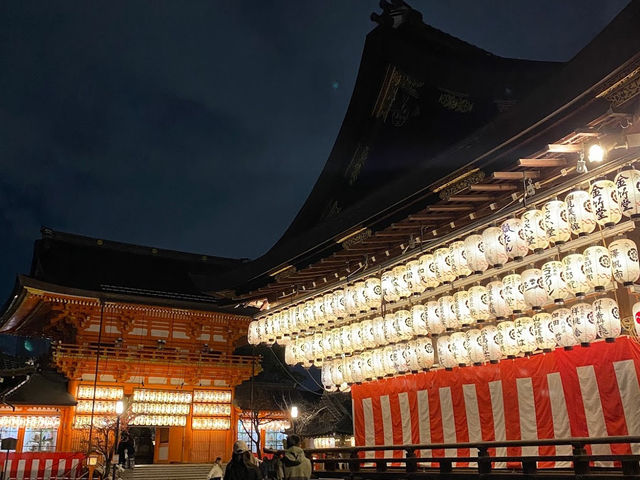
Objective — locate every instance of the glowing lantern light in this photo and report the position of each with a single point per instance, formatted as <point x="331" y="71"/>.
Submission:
<point x="357" y="369"/>
<point x="543" y="331"/>
<point x="597" y="267"/>
<point x="624" y="261"/>
<point x="285" y="325"/>
<point x="607" y="318"/>
<point x="306" y="351"/>
<point x="330" y="315"/>
<point x="419" y="320"/>
<point x="533" y="230"/>
<point x="479" y="303"/>
<point x="300" y="322"/>
<point x="428" y="271"/>
<point x="404" y="324"/>
<point x="389" y="287"/>
<point x="458" y="346"/>
<point x="555" y="221"/>
<point x="534" y="292"/>
<point x="294" y="320"/>
<point x="554" y="284"/>
<point x="582" y="220"/>
<point x="379" y="331"/>
<point x="507" y="340"/>
<point x="336" y="341"/>
<point x="525" y="335"/>
<point x="368" y="334"/>
<point x="604" y="199"/>
<point x="351" y="300"/>
<point x="389" y="361"/>
<point x="435" y="325"/>
<point x="446" y="306"/>
<point x="494" y="249"/>
<point x="574" y="274"/>
<point x="562" y="326"/>
<point x="628" y="188"/>
<point x="415" y="279"/>
<point x="514" y="242"/>
<point x="391" y="332"/>
<point x="318" y="312"/>
<point x="378" y="363"/>
<point x="474" y="345"/>
<point x="361" y="296"/>
<point x="373" y="292"/>
<point x="399" y="358"/>
<point x="253" y="336"/>
<point x="339" y="308"/>
<point x="345" y="339"/>
<point x="368" y="372"/>
<point x="490" y="345"/>
<point x="497" y="303"/>
<point x="474" y="253"/>
<point x="424" y="352"/>
<point x="347" y="372"/>
<point x="411" y="356"/>
<point x="444" y="265"/>
<point x="328" y="348"/>
<point x="445" y="357"/>
<point x="512" y="292"/>
<point x="459" y="259"/>
<point x="461" y="307"/>
<point x="595" y="153"/>
<point x="357" y="341"/>
<point x="400" y="281"/>
<point x="270" y="334"/>
<point x="290" y="354"/>
<point x="309" y="315"/>
<point x="337" y="376"/>
<point x="326" y="376"/>
<point x="584" y="326"/>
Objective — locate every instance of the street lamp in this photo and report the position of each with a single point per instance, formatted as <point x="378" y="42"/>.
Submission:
<point x="119" y="411"/>
<point x="294" y="415"/>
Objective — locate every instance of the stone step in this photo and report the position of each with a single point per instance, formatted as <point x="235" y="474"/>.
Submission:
<point x="184" y="471"/>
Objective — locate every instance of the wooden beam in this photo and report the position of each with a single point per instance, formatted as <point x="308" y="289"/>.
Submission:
<point x="393" y="234"/>
<point x="515" y="175"/>
<point x="406" y="227"/>
<point x="471" y="198"/>
<point x="449" y="208"/>
<point x="569" y="148"/>
<point x="493" y="187"/>
<point x="542" y="162"/>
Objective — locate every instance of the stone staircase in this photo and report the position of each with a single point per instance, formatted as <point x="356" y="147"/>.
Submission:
<point x="180" y="471"/>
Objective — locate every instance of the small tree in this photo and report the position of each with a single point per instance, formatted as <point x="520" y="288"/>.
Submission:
<point x="103" y="439"/>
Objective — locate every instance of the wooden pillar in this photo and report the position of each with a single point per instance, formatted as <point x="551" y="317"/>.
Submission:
<point x="66" y="422"/>
<point x="188" y="440"/>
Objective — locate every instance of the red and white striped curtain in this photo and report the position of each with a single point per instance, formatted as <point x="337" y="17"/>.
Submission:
<point x="585" y="392"/>
<point x="42" y="465"/>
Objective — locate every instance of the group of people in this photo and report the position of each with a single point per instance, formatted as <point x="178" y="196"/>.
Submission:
<point x="126" y="450"/>
<point x="290" y="465"/>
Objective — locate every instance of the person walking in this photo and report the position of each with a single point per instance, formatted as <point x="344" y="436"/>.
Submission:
<point x="216" y="470"/>
<point x="242" y="465"/>
<point x="296" y="465"/>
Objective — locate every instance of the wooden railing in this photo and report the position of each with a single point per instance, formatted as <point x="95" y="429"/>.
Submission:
<point x="350" y="462"/>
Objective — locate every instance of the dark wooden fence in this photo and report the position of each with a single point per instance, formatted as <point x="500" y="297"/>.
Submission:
<point x="349" y="462"/>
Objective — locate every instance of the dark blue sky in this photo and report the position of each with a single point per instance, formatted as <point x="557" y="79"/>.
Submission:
<point x="202" y="125"/>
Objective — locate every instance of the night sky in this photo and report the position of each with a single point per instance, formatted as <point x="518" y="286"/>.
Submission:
<point x="201" y="126"/>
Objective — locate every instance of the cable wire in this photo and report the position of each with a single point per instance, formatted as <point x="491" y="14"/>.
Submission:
<point x="286" y="369"/>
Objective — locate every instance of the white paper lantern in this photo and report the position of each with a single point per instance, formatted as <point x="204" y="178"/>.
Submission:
<point x="373" y="292"/>
<point x="404" y="324"/>
<point x="389" y="361"/>
<point x="378" y="362"/>
<point x="400" y="281"/>
<point x="444" y="265"/>
<point x="262" y="330"/>
<point x="506" y="338"/>
<point x="525" y="335"/>
<point x="309" y="315"/>
<point x="356" y="364"/>
<point x="339" y="308"/>
<point x="607" y="318"/>
<point x="290" y="354"/>
<point x="494" y="249"/>
<point x="461" y="307"/>
<point x="306" y="350"/>
<point x="361" y="296"/>
<point x="628" y="188"/>
<point x="458" y="346"/>
<point x="391" y="332"/>
<point x="624" y="261"/>
<point x="574" y="274"/>
<point x="379" y="331"/>
<point x="534" y="293"/>
<point x="285" y="325"/>
<point x="328" y="347"/>
<point x="351" y="300"/>
<point x="337" y="375"/>
<point x="533" y="230"/>
<point x="328" y="300"/>
<point x="296" y="319"/>
<point x="543" y="331"/>
<point x="327" y="377"/>
<point x="336" y="341"/>
<point x="479" y="303"/>
<point x="253" y="336"/>
<point x="419" y="320"/>
<point x="474" y="345"/>
<point x="555" y="221"/>
<point x="584" y="325"/>
<point x="357" y="340"/>
<point x="554" y="284"/>
<point x="512" y="291"/>
<point x="428" y="271"/>
<point x="474" y="253"/>
<point x="389" y="287"/>
<point x="562" y="326"/>
<point x="604" y="198"/>
<point x="368" y="335"/>
<point x="497" y="304"/>
<point x="459" y="259"/>
<point x="424" y="352"/>
<point x="318" y="311"/>
<point x="446" y="305"/>
<point x="368" y="372"/>
<point x="582" y="220"/>
<point x="435" y="325"/>
<point x="445" y="357"/>
<point x="490" y="346"/>
<point x="318" y="346"/>
<point x="411" y="356"/>
<point x="345" y="339"/>
<point x="415" y="279"/>
<point x="597" y="267"/>
<point x="273" y="327"/>
<point x="514" y="242"/>
<point x="399" y="358"/>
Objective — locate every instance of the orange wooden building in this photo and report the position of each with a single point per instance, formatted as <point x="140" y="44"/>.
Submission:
<point x="126" y="323"/>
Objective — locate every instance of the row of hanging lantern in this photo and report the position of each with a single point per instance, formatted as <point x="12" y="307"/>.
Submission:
<point x="575" y="275"/>
<point x="604" y="204"/>
<point x="565" y="327"/>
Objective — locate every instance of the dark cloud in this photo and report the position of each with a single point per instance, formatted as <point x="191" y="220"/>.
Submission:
<point x="202" y="126"/>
